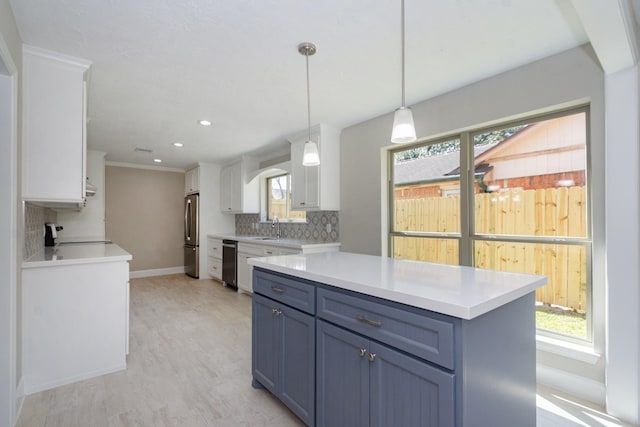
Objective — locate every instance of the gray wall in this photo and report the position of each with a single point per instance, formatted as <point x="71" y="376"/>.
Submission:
<point x="568" y="78"/>
<point x="144" y="215"/>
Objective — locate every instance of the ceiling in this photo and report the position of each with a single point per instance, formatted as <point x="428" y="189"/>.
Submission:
<point x="159" y="66"/>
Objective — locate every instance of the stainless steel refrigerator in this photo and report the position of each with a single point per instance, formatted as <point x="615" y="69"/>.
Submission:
<point x="191" y="242"/>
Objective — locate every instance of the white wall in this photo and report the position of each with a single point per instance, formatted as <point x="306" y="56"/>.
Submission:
<point x="90" y="221"/>
<point x="570" y="78"/>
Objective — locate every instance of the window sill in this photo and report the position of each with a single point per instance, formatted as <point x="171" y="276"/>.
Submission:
<point x="567" y="349"/>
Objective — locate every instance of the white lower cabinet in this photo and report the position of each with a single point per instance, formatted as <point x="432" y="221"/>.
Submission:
<point x="214" y="257"/>
<point x="75" y="321"/>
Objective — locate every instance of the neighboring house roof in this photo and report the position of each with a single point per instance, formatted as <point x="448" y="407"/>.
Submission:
<point x="432" y="168"/>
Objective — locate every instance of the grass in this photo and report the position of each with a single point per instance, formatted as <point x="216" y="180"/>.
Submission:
<point x="561" y="320"/>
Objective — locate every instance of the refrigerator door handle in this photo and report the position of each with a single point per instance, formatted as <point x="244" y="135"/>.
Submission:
<point x="187" y="223"/>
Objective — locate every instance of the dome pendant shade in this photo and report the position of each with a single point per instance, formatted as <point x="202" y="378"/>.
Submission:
<point x="310" y="156"/>
<point x="404" y="130"/>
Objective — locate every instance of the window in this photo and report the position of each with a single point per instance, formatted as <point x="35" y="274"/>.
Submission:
<point x="279" y="199"/>
<point x="522" y="207"/>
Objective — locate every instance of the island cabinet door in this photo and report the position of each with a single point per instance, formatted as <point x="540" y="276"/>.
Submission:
<point x="266" y="338"/>
<point x="297" y="373"/>
<point x="408" y="392"/>
<point x="283" y="354"/>
<point x="342" y="378"/>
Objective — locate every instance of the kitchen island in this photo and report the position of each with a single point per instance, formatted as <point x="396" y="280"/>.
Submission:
<point x="75" y="314"/>
<point x="346" y="339"/>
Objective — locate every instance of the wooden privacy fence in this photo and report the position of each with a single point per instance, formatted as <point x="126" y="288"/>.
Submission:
<point x="551" y="212"/>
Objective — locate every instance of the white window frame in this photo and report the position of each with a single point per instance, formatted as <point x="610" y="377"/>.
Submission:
<point x="582" y="349"/>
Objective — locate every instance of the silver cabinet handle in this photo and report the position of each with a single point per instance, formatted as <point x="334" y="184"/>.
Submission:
<point x="362" y="352"/>
<point x="372" y="356"/>
<point x="361" y="318"/>
<point x="277" y="289"/>
<point x="276" y="311"/>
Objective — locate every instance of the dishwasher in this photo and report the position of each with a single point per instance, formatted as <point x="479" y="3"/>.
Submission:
<point x="230" y="263"/>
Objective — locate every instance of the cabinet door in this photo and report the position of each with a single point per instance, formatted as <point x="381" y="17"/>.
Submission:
<point x="231" y="191"/>
<point x="342" y="374"/>
<point x="225" y="190"/>
<point x="407" y="392"/>
<point x="53" y="140"/>
<point x="265" y="343"/>
<point x="192" y="181"/>
<point x="297" y="374"/>
<point x="305" y="180"/>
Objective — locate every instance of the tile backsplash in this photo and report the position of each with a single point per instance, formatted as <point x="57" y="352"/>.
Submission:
<point x="34" y="220"/>
<point x="321" y="227"/>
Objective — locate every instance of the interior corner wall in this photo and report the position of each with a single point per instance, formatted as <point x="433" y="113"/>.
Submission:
<point x="144" y="215"/>
<point x="623" y="246"/>
<point x="88" y="222"/>
<point x="569" y="78"/>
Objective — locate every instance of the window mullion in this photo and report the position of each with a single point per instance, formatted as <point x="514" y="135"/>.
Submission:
<point x="466" y="200"/>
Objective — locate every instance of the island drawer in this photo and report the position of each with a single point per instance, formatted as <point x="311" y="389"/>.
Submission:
<point x="287" y="291"/>
<point x="418" y="334"/>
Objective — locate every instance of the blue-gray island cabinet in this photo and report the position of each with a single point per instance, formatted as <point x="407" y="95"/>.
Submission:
<point x="355" y="340"/>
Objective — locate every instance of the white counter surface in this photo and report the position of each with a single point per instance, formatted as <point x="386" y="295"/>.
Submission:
<point x="272" y="241"/>
<point x="82" y="253"/>
<point x="457" y="291"/>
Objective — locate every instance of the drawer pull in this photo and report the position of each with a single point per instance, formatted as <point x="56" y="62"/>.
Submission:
<point x="362" y="352"/>
<point x="372" y="356"/>
<point x="277" y="289"/>
<point x="361" y="318"/>
<point x="268" y="252"/>
<point x="276" y="311"/>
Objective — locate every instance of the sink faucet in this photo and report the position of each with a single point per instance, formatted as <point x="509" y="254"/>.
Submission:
<point x="276" y="223"/>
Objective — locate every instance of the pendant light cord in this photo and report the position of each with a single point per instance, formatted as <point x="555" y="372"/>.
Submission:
<point x="308" y="99"/>
<point x="402" y="42"/>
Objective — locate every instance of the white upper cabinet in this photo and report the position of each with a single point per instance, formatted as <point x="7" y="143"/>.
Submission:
<point x="54" y="127"/>
<point x="236" y="194"/>
<point x="192" y="181"/>
<point x="316" y="187"/>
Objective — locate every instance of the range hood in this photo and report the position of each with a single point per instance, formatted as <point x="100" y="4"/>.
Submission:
<point x="90" y="189"/>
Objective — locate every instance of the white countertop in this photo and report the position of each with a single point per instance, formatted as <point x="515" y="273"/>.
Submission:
<point x="457" y="291"/>
<point x="83" y="253"/>
<point x="272" y="241"/>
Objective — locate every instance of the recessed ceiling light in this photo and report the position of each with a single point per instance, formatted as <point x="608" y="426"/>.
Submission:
<point x="157" y="160"/>
<point x="205" y="122"/>
<point x="178" y="144"/>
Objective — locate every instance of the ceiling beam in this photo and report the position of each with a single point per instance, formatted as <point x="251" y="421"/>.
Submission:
<point x="612" y="31"/>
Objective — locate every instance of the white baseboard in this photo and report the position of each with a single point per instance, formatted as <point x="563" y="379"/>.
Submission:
<point x="575" y="385"/>
<point x="156" y="272"/>
<point x="38" y="387"/>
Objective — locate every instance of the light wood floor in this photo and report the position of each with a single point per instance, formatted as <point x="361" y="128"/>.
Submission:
<point x="189" y="365"/>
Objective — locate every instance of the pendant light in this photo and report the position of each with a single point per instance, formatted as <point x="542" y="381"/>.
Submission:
<point x="403" y="128"/>
<point x="310" y="157"/>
